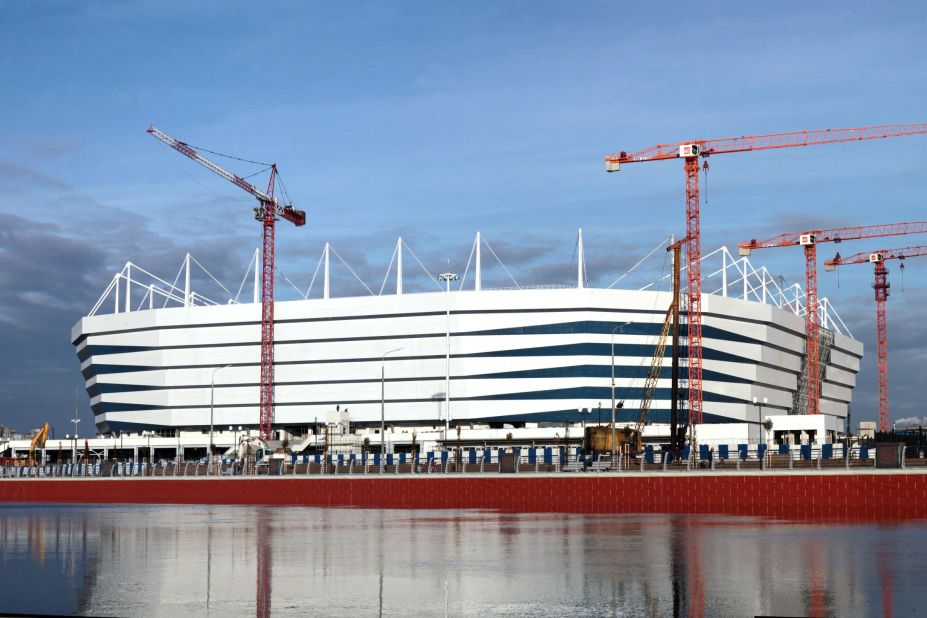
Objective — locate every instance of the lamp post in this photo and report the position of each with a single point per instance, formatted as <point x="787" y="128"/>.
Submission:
<point x="383" y="400"/>
<point x="212" y="399"/>
<point x="447" y="278"/>
<point x="759" y="410"/>
<point x="74" y="420"/>
<point x="614" y="431"/>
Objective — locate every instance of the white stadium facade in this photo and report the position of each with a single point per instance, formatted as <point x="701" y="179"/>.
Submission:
<point x="159" y="356"/>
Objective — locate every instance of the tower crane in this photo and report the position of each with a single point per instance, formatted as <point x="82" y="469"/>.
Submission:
<point x="267" y="211"/>
<point x="880" y="285"/>
<point x="690" y="151"/>
<point x="809" y="240"/>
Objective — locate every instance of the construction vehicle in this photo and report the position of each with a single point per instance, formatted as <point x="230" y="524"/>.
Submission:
<point x="38" y="443"/>
<point x="599" y="439"/>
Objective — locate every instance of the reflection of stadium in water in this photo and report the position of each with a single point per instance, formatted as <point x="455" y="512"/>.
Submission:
<point x="174" y="561"/>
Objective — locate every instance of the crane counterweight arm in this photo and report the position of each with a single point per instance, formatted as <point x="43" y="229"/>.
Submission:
<point x="769" y="141"/>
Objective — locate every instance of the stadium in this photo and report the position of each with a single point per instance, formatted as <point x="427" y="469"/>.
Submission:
<point x="159" y="356"/>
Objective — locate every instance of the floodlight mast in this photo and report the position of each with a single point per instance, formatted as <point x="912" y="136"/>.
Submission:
<point x="267" y="212"/>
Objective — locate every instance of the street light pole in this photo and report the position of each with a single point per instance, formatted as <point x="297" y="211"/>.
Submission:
<point x="447" y="278"/>
<point x="212" y="399"/>
<point x="759" y="411"/>
<point x="383" y="400"/>
<point x="614" y="431"/>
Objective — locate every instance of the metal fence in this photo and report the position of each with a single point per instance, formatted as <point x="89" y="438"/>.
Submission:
<point x="481" y="461"/>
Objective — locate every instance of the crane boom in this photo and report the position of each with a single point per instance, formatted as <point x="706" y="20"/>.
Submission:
<point x="285" y="211"/>
<point x="770" y="141"/>
<point x="872" y="257"/>
<point x="690" y="152"/>
<point x="267" y="213"/>
<point x="835" y="235"/>
<point x="880" y="286"/>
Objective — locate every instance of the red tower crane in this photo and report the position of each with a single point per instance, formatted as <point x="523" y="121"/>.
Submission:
<point x="690" y="152"/>
<point x="810" y="239"/>
<point x="267" y="212"/>
<point x="880" y="285"/>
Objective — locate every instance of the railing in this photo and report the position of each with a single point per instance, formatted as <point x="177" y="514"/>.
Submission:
<point x="517" y="461"/>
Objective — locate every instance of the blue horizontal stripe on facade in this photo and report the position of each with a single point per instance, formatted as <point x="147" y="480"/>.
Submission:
<point x="585" y="327"/>
<point x="557" y="416"/>
<point x="596" y="327"/>
<point x="573" y="371"/>
<point x="602" y="393"/>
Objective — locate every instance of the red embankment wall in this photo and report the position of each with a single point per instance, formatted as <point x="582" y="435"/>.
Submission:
<point x="789" y="496"/>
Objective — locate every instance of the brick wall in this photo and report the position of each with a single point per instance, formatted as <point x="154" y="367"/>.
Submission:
<point x="864" y="496"/>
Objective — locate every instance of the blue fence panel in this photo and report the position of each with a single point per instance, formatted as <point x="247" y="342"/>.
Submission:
<point x="473" y="457"/>
<point x="402" y="459"/>
<point x="389" y="459"/>
<point x="579" y="453"/>
<point x="318" y="458"/>
<point x="532" y="456"/>
<point x="562" y="452"/>
<point x="723" y="451"/>
<point x="805" y="451"/>
<point x="500" y="453"/>
<point x="487" y="455"/>
<point x="761" y="451"/>
<point x="376" y="459"/>
<point x="648" y="453"/>
<point x="864" y="453"/>
<point x="703" y="451"/>
<point x="827" y="451"/>
<point x="364" y="458"/>
<point x="686" y="452"/>
<point x="293" y="459"/>
<point x="517" y="453"/>
<point x="444" y="455"/>
<point x="783" y="449"/>
<point x="352" y="458"/>
<point x="548" y="456"/>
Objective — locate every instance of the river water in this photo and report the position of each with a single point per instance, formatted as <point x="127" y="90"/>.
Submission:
<point x="239" y="561"/>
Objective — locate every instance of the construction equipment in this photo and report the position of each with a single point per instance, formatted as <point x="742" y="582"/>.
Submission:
<point x="650" y="385"/>
<point x="268" y="210"/>
<point x="690" y="151"/>
<point x="675" y="438"/>
<point x="809" y="240"/>
<point x="38" y="442"/>
<point x="881" y="286"/>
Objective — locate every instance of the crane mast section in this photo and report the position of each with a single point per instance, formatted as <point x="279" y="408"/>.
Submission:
<point x="769" y="141"/>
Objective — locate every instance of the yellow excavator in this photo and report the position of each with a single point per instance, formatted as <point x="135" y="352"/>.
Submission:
<point x="38" y="442"/>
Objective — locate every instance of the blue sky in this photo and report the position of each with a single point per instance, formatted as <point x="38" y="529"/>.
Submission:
<point x="432" y="120"/>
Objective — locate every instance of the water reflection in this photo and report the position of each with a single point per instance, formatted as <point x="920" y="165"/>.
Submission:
<point x="222" y="561"/>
